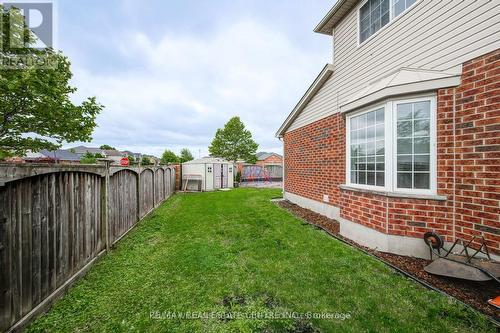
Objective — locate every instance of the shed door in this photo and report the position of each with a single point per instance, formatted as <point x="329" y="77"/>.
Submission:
<point x="217" y="175"/>
<point x="224" y="175"/>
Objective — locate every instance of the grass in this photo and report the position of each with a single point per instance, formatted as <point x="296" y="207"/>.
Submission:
<point x="236" y="252"/>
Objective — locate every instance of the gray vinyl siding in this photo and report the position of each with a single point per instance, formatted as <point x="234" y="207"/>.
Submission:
<point x="433" y="35"/>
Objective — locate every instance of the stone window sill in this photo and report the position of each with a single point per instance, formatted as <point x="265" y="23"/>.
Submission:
<point x="395" y="194"/>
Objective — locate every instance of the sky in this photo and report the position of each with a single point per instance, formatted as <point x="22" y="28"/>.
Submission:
<point x="171" y="72"/>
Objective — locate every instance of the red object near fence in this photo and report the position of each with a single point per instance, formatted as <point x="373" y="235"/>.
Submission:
<point x="124" y="161"/>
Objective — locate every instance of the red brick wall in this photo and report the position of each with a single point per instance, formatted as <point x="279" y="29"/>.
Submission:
<point x="315" y="159"/>
<point x="468" y="162"/>
<point x="270" y="160"/>
<point x="477" y="134"/>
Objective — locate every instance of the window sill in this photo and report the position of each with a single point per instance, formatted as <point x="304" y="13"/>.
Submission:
<point x="395" y="194"/>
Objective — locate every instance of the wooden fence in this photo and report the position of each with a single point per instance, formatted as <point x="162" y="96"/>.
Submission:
<point x="55" y="221"/>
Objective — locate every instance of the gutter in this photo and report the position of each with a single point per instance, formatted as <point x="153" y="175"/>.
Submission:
<point x="318" y="82"/>
<point x="329" y="15"/>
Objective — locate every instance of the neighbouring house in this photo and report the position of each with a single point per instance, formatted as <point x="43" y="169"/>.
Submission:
<point x="114" y="155"/>
<point x="60" y="156"/>
<point x="273" y="163"/>
<point x="400" y="134"/>
<point x="264" y="159"/>
<point x="82" y="150"/>
<point x="207" y="174"/>
<point x="137" y="156"/>
<point x="269" y="166"/>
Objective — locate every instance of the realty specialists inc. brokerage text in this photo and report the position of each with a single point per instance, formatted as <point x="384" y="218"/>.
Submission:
<point x="255" y="315"/>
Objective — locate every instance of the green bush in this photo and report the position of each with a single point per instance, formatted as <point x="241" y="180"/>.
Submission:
<point x="145" y="161"/>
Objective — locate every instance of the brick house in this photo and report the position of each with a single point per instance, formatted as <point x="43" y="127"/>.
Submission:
<point x="272" y="162"/>
<point x="264" y="159"/>
<point x="400" y="134"/>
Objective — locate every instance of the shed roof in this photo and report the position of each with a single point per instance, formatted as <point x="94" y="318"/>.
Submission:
<point x="205" y="160"/>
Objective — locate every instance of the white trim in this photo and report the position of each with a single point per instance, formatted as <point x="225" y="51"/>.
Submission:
<point x="320" y="80"/>
<point x="448" y="80"/>
<point x="332" y="15"/>
<point x="433" y="149"/>
<point x="348" y="148"/>
<point x="390" y="140"/>
<point x="392" y="19"/>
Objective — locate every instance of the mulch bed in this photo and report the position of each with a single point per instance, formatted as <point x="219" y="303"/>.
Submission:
<point x="475" y="294"/>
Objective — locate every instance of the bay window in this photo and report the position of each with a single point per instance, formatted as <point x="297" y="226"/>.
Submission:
<point x="367" y="148"/>
<point x="391" y="146"/>
<point x="413" y="145"/>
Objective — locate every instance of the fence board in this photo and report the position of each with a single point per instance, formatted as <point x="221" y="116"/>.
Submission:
<point x="26" y="222"/>
<point x="44" y="238"/>
<point x="5" y="247"/>
<point x="147" y="191"/>
<point x="122" y="213"/>
<point x="159" y="186"/>
<point x="52" y="226"/>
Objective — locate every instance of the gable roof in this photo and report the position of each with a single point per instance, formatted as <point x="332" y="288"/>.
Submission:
<point x="338" y="11"/>
<point x="320" y="80"/>
<point x="113" y="152"/>
<point x="83" y="150"/>
<point x="261" y="156"/>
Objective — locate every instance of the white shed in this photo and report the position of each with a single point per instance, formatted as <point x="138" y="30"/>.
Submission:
<point x="207" y="174"/>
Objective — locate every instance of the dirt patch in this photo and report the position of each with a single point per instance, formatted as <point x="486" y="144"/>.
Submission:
<point x="475" y="294"/>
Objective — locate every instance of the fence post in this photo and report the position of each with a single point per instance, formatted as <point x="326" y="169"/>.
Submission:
<point x="154" y="187"/>
<point x="139" y="215"/>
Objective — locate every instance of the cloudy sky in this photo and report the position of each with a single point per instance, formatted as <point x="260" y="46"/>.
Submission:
<point x="171" y="72"/>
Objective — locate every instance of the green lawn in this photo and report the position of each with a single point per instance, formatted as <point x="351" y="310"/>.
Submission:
<point x="237" y="253"/>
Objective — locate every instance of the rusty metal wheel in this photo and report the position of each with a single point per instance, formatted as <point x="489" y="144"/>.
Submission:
<point x="433" y="239"/>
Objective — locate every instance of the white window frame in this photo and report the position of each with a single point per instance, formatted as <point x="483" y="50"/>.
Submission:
<point x="390" y="139"/>
<point x="392" y="18"/>
<point x="348" y="147"/>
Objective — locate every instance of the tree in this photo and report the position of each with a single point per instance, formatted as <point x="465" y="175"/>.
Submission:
<point x="186" y="155"/>
<point x="36" y="111"/>
<point x="146" y="161"/>
<point x="88" y="158"/>
<point x="107" y="147"/>
<point x="234" y="142"/>
<point x="169" y="157"/>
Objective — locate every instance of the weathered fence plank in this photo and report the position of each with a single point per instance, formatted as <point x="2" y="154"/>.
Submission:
<point x="122" y="212"/>
<point x="54" y="222"/>
<point x="147" y="191"/>
<point x="5" y="258"/>
<point x="159" y="186"/>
